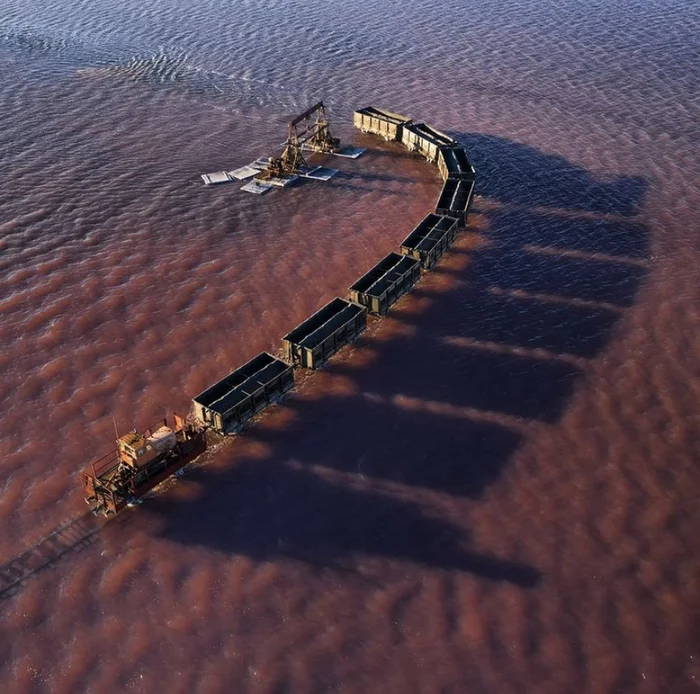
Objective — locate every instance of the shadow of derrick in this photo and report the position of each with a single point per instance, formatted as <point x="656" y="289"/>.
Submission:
<point x="504" y="337"/>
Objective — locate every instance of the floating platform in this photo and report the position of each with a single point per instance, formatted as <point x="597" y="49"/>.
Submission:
<point x="260" y="164"/>
<point x="430" y="239"/>
<point x="243" y="173"/>
<point x="318" y="173"/>
<point x="214" y="178"/>
<point x="350" y="152"/>
<point x="257" y="188"/>
<point x="278" y="181"/>
<point x="386" y="282"/>
<point x="240" y="174"/>
<point x="229" y="404"/>
<point x="320" y="336"/>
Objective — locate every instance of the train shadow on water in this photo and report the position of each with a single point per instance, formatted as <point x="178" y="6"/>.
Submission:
<point x="497" y="335"/>
<point x="272" y="510"/>
<point x="434" y="401"/>
<point x="619" y="238"/>
<point x="515" y="173"/>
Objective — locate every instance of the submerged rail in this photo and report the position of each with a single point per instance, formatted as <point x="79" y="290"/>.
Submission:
<point x="70" y="537"/>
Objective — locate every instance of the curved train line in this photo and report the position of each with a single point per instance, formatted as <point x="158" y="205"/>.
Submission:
<point x="142" y="461"/>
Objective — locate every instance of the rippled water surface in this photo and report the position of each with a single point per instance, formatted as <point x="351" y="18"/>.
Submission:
<point x="495" y="490"/>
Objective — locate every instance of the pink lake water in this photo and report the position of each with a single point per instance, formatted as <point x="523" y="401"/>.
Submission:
<point x="495" y="490"/>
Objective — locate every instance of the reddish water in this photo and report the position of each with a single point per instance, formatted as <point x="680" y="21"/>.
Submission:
<point x="494" y="490"/>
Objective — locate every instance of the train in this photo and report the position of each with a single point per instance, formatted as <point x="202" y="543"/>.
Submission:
<point x="142" y="460"/>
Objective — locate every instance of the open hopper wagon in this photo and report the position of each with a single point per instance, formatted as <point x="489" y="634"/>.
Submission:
<point x="453" y="162"/>
<point x="226" y="406"/>
<point x="430" y="239"/>
<point x="389" y="279"/>
<point x="421" y="138"/>
<point x="455" y="199"/>
<point x="378" y="122"/>
<point x="320" y="336"/>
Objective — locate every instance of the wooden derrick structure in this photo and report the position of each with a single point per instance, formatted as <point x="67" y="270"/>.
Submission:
<point x="309" y="131"/>
<point x="312" y="130"/>
<point x="287" y="164"/>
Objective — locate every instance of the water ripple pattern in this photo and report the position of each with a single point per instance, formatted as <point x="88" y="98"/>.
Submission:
<point x="496" y="490"/>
